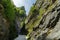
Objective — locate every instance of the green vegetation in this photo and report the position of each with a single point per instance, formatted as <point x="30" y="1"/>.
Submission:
<point x="21" y="14"/>
<point x="21" y="11"/>
<point x="10" y="12"/>
<point x="36" y="14"/>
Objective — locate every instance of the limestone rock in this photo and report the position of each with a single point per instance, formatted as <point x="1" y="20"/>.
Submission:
<point x="45" y="25"/>
<point x="4" y="25"/>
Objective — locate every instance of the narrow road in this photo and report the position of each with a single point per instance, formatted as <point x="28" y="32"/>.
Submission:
<point x="21" y="37"/>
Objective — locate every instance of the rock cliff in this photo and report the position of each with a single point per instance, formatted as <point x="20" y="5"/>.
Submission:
<point x="11" y="20"/>
<point x="4" y="25"/>
<point x="7" y="20"/>
<point x="43" y="21"/>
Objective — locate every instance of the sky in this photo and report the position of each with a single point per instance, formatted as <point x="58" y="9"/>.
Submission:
<point x="26" y="3"/>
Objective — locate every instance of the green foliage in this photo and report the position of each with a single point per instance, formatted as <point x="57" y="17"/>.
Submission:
<point x="9" y="14"/>
<point x="32" y="8"/>
<point x="13" y="32"/>
<point x="21" y="11"/>
<point x="21" y="14"/>
<point x="9" y="10"/>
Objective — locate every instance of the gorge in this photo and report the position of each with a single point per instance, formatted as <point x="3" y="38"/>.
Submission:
<point x="42" y="22"/>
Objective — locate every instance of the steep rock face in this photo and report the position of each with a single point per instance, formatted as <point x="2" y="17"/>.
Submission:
<point x="45" y="25"/>
<point x="7" y="20"/>
<point x="4" y="25"/>
<point x="20" y="18"/>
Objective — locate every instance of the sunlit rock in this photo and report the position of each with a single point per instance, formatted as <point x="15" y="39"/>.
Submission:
<point x="47" y="20"/>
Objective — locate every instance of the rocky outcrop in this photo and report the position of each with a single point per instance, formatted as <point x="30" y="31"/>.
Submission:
<point x="7" y="20"/>
<point x="4" y="25"/>
<point x="45" y="25"/>
<point x="20" y="18"/>
<point x="11" y="20"/>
